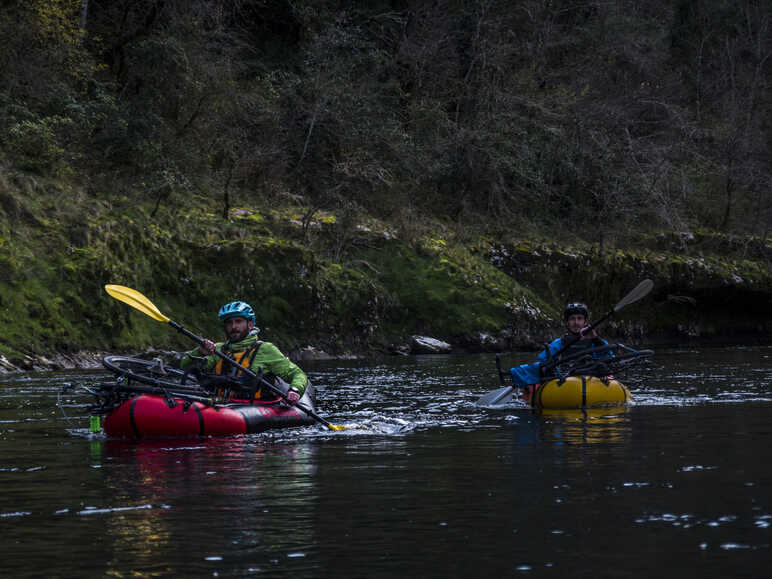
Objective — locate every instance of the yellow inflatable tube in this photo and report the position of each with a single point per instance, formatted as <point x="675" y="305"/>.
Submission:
<point x="580" y="392"/>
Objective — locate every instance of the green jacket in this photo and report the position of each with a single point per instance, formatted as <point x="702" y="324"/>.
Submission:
<point x="268" y="360"/>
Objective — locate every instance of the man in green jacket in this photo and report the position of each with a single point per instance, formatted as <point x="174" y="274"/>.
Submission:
<point x="243" y="346"/>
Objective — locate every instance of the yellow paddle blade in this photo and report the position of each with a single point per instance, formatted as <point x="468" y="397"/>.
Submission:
<point x="334" y="427"/>
<point x="135" y="300"/>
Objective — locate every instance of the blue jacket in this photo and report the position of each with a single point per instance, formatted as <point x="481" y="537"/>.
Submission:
<point x="527" y="374"/>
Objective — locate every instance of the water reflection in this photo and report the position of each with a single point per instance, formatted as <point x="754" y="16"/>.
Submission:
<point x="586" y="426"/>
<point x="238" y="486"/>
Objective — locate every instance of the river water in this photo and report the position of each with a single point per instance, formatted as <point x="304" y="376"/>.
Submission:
<point x="422" y="482"/>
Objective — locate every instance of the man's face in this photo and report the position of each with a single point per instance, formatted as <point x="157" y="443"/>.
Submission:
<point x="576" y="322"/>
<point x="236" y="329"/>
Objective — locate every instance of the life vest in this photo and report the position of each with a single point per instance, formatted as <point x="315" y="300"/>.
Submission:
<point x="245" y="360"/>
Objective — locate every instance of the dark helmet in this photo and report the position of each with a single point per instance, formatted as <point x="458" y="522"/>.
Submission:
<point x="575" y="308"/>
<point x="236" y="309"/>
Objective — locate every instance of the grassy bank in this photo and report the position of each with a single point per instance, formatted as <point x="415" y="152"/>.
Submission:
<point x="340" y="283"/>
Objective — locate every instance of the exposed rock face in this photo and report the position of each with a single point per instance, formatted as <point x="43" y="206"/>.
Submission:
<point x="427" y="345"/>
<point x="56" y="361"/>
<point x="485" y="341"/>
<point x="700" y="292"/>
<point x="399" y="349"/>
<point x="309" y="353"/>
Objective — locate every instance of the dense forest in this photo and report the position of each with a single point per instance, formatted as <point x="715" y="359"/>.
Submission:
<point x="366" y="171"/>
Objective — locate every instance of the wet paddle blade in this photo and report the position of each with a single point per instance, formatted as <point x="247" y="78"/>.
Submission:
<point x="335" y="427"/>
<point x="135" y="300"/>
<point x="639" y="291"/>
<point x="500" y="396"/>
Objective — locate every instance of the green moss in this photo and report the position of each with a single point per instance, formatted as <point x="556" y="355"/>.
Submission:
<point x="356" y="284"/>
<point x="447" y="290"/>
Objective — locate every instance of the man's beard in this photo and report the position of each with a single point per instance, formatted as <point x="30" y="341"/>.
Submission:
<point x="237" y="336"/>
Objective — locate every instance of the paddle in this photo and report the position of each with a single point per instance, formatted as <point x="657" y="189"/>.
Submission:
<point x="144" y="305"/>
<point x="495" y="396"/>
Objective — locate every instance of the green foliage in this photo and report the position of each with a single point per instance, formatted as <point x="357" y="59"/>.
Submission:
<point x="36" y="146"/>
<point x="478" y="113"/>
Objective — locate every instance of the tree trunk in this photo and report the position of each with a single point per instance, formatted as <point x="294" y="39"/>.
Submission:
<point x="83" y="14"/>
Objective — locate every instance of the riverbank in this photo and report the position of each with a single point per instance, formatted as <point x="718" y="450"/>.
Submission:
<point x="93" y="360"/>
<point x="337" y="286"/>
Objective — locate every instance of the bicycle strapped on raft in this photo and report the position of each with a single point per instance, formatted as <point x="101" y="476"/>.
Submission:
<point x="620" y="359"/>
<point x="137" y="376"/>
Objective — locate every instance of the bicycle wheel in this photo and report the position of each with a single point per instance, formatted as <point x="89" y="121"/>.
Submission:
<point x="152" y="372"/>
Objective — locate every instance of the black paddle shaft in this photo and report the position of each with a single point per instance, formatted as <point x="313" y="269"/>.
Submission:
<point x="501" y="372"/>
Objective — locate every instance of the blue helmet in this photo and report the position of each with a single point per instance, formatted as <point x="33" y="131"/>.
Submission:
<point x="236" y="309"/>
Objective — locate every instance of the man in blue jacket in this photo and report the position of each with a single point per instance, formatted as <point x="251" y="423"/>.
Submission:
<point x="578" y="338"/>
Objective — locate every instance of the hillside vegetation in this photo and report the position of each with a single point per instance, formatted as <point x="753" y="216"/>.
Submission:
<point x="362" y="172"/>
